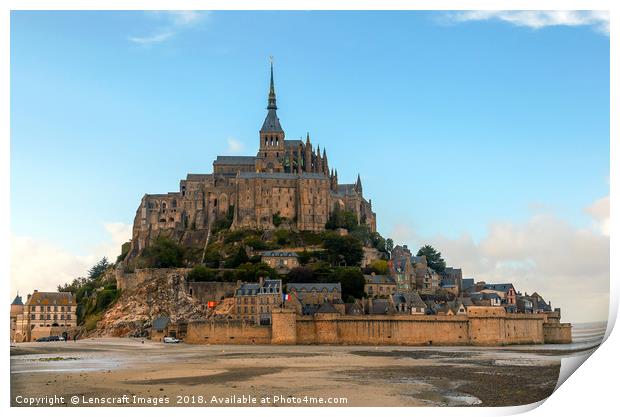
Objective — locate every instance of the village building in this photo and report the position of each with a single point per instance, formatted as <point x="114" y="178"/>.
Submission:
<point x="451" y="279"/>
<point x="524" y="304"/>
<point x="43" y="314"/>
<point x="379" y="285"/>
<point x="281" y="261"/>
<point x="409" y="303"/>
<point x="254" y="302"/>
<point x="315" y="293"/>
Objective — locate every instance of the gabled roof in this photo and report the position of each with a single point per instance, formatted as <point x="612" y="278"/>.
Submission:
<point x="410" y="298"/>
<point x="467" y="283"/>
<point x="379" y="306"/>
<point x="248" y="289"/>
<point x="346" y="189"/>
<point x="499" y="287"/>
<point x="293" y="143"/>
<point x="379" y="279"/>
<point x="234" y="160"/>
<point x="271" y="123"/>
<point x="309" y="287"/>
<point x="327" y="308"/>
<point x="17" y="301"/>
<point x="280" y="254"/>
<point x="51" y="298"/>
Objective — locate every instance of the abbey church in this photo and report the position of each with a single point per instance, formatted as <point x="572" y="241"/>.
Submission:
<point x="287" y="183"/>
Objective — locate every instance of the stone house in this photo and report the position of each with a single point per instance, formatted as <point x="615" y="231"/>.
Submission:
<point x="159" y="329"/>
<point x="254" y="302"/>
<point x="43" y="313"/>
<point x="409" y="303"/>
<point x="281" y="261"/>
<point x="379" y="285"/>
<point x="524" y="304"/>
<point x="315" y="293"/>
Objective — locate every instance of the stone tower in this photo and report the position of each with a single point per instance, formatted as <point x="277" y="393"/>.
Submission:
<point x="271" y="153"/>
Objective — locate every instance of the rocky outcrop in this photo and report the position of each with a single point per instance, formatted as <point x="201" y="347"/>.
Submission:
<point x="164" y="295"/>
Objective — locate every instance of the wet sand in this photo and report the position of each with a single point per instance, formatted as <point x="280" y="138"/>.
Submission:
<point x="363" y="375"/>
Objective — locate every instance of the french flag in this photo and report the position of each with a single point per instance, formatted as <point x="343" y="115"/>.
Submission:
<point x="286" y="297"/>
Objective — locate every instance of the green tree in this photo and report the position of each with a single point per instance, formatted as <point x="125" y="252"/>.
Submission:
<point x="433" y="258"/>
<point x="351" y="281"/>
<point x="99" y="268"/>
<point x="164" y="253"/>
<point x="341" y="219"/>
<point x="301" y="274"/>
<point x="201" y="273"/>
<point x="240" y="257"/>
<point x="345" y="250"/>
<point x="389" y="245"/>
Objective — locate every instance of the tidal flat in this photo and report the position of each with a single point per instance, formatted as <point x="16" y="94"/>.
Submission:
<point x="192" y="375"/>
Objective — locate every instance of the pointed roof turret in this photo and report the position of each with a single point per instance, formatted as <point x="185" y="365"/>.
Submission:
<point x="272" y="123"/>
<point x="17" y="301"/>
<point x="358" y="184"/>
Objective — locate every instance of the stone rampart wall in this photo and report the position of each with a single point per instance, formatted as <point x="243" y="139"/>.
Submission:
<point x="232" y="332"/>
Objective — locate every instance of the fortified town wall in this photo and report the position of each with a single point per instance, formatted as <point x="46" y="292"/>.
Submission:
<point x="481" y="326"/>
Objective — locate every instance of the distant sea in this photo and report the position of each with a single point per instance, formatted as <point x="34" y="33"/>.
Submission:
<point x="588" y="334"/>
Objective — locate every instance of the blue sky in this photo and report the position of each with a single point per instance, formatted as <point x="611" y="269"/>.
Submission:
<point x="453" y="124"/>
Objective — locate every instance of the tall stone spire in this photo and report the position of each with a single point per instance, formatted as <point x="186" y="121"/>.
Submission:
<point x="272" y="123"/>
<point x="308" y="155"/>
<point x="325" y="165"/>
<point x="319" y="162"/>
<point x="358" y="184"/>
<point x="271" y="102"/>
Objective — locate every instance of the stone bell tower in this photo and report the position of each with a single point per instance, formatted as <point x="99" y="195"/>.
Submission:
<point x="271" y="151"/>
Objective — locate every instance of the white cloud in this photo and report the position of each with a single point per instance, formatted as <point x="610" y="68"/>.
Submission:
<point x="172" y="22"/>
<point x="42" y="265"/>
<point x="234" y="145"/>
<point x="566" y="264"/>
<point x="155" y="38"/>
<point x="599" y="210"/>
<point x="538" y="18"/>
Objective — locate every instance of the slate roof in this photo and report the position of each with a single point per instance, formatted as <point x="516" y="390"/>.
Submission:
<point x="499" y="287"/>
<point x="346" y="189"/>
<point x="379" y="279"/>
<point x="235" y="160"/>
<point x="309" y="287"/>
<point x="248" y="289"/>
<point x="379" y="306"/>
<point x="198" y="177"/>
<point x="280" y="254"/>
<point x="283" y="175"/>
<point x="17" y="301"/>
<point x="272" y="122"/>
<point x="411" y="299"/>
<point x="467" y="283"/>
<point x="160" y="323"/>
<point x="51" y="298"/>
<point x="293" y="143"/>
<point x="327" y="308"/>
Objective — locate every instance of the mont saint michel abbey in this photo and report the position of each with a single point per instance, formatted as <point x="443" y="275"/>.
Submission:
<point x="287" y="179"/>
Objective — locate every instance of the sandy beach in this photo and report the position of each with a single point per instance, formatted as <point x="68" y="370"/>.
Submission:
<point x="132" y="372"/>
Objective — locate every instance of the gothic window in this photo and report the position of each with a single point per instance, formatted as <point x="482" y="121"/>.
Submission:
<point x="265" y="141"/>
